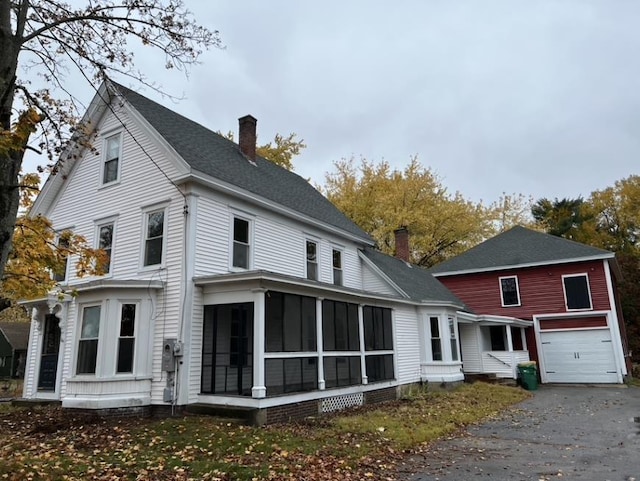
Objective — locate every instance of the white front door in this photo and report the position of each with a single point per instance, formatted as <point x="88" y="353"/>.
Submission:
<point x="578" y="356"/>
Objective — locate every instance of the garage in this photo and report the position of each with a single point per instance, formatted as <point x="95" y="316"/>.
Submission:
<point x="578" y="356"/>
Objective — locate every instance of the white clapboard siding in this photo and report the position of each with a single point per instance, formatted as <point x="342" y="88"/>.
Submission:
<point x="69" y="344"/>
<point x="407" y="344"/>
<point x="470" y="347"/>
<point x="195" y="361"/>
<point x="372" y="282"/>
<point x="351" y="265"/>
<point x="278" y="246"/>
<point x="212" y="237"/>
<point x="84" y="202"/>
<point x="30" y="373"/>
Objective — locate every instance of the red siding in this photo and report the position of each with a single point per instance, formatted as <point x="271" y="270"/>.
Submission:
<point x="541" y="290"/>
<point x="573" y="323"/>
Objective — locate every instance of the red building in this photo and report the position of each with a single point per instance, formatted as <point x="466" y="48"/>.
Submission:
<point x="566" y="289"/>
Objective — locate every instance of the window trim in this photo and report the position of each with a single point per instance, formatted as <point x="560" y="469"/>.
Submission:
<point x="250" y="241"/>
<point x="432" y="338"/>
<point x="307" y="261"/>
<point x="146" y="211"/>
<point x="564" y="291"/>
<point x="136" y="323"/>
<point x="99" y="224"/>
<point x="63" y="277"/>
<point x="340" y="269"/>
<point x="79" y="339"/>
<point x="453" y="338"/>
<point x="519" y="302"/>
<point x="104" y="160"/>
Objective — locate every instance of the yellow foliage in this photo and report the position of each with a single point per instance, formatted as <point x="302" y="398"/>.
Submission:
<point x="380" y="200"/>
<point x="281" y="151"/>
<point x="37" y="253"/>
<point x="16" y="139"/>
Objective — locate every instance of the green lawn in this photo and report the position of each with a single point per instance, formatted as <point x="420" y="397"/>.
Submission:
<point x="364" y="443"/>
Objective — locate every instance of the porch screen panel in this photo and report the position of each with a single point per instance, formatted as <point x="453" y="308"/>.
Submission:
<point x="290" y="323"/>
<point x="379" y="367"/>
<point x="290" y="327"/>
<point x="378" y="340"/>
<point x="291" y="375"/>
<point x="340" y="326"/>
<point x="342" y="371"/>
<point x="227" y="349"/>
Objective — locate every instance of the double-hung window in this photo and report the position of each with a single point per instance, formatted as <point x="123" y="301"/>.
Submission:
<point x="454" y="339"/>
<point x="154" y="237"/>
<point x="509" y="291"/>
<point x="241" y="243"/>
<point x="111" y="162"/>
<point x="105" y="242"/>
<point x="60" y="270"/>
<point x="337" y="267"/>
<point x="576" y="292"/>
<point x="126" y="338"/>
<point x="436" y="342"/>
<point x="312" y="260"/>
<point x="88" y="343"/>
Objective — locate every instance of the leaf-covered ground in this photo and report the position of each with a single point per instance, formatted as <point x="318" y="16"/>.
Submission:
<point x="365" y="443"/>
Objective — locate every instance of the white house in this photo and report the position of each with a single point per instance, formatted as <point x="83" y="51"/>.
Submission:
<point x="231" y="281"/>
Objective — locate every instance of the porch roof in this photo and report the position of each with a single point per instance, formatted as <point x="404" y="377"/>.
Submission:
<point x="489" y="320"/>
<point x="272" y="280"/>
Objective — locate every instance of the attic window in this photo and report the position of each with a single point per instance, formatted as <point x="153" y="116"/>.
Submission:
<point x="111" y="163"/>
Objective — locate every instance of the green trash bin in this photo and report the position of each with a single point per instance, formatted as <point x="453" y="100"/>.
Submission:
<point x="528" y="375"/>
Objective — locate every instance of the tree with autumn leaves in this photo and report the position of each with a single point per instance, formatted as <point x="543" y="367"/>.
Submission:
<point x="381" y="199"/>
<point x="609" y="219"/>
<point x="40" y="42"/>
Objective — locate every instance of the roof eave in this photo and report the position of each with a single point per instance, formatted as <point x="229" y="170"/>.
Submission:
<point x="603" y="256"/>
<point x="209" y="181"/>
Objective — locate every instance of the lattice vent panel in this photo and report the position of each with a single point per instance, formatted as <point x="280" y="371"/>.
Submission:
<point x="341" y="402"/>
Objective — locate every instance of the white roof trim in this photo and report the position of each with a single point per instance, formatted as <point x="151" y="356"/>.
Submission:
<point x="271" y="277"/>
<point x="488" y="319"/>
<point x="609" y="255"/>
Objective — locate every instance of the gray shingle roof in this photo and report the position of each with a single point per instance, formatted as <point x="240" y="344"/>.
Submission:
<point x="17" y="333"/>
<point x="415" y="281"/>
<point x="210" y="153"/>
<point x="516" y="247"/>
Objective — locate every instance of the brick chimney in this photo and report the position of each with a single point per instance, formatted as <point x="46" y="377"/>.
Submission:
<point x="247" y="136"/>
<point x="402" y="243"/>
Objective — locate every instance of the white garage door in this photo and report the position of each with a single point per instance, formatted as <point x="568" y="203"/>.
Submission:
<point x="579" y="356"/>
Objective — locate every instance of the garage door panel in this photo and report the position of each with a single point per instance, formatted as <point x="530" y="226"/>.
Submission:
<point x="578" y="356"/>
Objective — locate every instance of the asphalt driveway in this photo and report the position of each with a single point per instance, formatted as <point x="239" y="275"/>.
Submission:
<point x="578" y="432"/>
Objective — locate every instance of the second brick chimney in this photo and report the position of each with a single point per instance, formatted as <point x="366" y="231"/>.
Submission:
<point x="402" y="243"/>
<point x="247" y="136"/>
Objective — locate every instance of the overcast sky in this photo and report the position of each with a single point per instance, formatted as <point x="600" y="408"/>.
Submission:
<point x="540" y="98"/>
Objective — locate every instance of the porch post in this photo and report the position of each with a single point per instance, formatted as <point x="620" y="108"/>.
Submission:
<point x="524" y="339"/>
<point x="363" y="364"/>
<point x="321" y="382"/>
<point x="259" y="389"/>
<point x="510" y="349"/>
